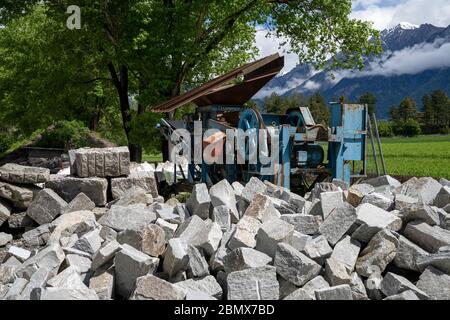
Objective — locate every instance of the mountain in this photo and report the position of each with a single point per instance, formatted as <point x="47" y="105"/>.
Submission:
<point x="415" y="61"/>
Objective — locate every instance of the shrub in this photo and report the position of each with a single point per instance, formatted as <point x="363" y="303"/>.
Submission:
<point x="410" y="128"/>
<point x="65" y="135"/>
<point x="6" y="140"/>
<point x="385" y="129"/>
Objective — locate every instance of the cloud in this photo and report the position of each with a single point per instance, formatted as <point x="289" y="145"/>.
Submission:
<point x="312" y="85"/>
<point x="271" y="44"/>
<point x="387" y="14"/>
<point x="412" y="60"/>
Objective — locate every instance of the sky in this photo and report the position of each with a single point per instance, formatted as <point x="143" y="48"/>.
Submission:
<point x="383" y="13"/>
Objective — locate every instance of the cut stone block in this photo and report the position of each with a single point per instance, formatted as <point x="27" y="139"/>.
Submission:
<point x="253" y="284"/>
<point x="100" y="162"/>
<point x="19" y="253"/>
<point x="208" y="285"/>
<point x="408" y="255"/>
<point x="380" y="251"/>
<point x="253" y="187"/>
<point x="318" y="249"/>
<point x="90" y="242"/>
<point x="144" y="180"/>
<point x="15" y="173"/>
<point x="299" y="240"/>
<point x="346" y="252"/>
<point x="79" y="263"/>
<point x="222" y="215"/>
<point x="197" y="265"/>
<point x="329" y="201"/>
<point x="105" y="254"/>
<point x="192" y="231"/>
<point x="295" y="266"/>
<point x="211" y="238"/>
<point x="245" y="233"/>
<point x="80" y="203"/>
<point x="383" y="181"/>
<point x="21" y="197"/>
<point x="315" y="284"/>
<point x="74" y="223"/>
<point x="443" y="197"/>
<point x="427" y="237"/>
<point x="378" y="200"/>
<point x="5" y="238"/>
<point x="402" y="201"/>
<point x="271" y="233"/>
<point x="245" y="258"/>
<point x="338" y="223"/>
<point x="262" y="209"/>
<point x="435" y="284"/>
<point x="153" y="240"/>
<point x="373" y="286"/>
<point x="407" y="295"/>
<point x="175" y="258"/>
<point x="5" y="211"/>
<point x="69" y="187"/>
<point x="322" y="187"/>
<point x="19" y="220"/>
<point x="393" y="284"/>
<point x="357" y="286"/>
<point x="69" y="278"/>
<point x="103" y="284"/>
<point x="303" y="223"/>
<point x="294" y="200"/>
<point x="199" y="202"/>
<point x="169" y="228"/>
<point x="424" y="189"/>
<point x="150" y="287"/>
<point x="336" y="272"/>
<point x="373" y="219"/>
<point x="439" y="260"/>
<point x="37" y="280"/>
<point x="63" y="294"/>
<point x="420" y="212"/>
<point x="342" y="292"/>
<point x="222" y="193"/>
<point x="46" y="207"/>
<point x="357" y="192"/>
<point x="299" y="294"/>
<point x="131" y="264"/>
<point x="16" y="289"/>
<point x="133" y="217"/>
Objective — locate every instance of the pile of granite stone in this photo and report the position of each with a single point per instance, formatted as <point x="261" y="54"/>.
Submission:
<point x="104" y="233"/>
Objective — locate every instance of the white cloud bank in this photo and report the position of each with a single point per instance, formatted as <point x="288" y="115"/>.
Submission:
<point x="436" y="12"/>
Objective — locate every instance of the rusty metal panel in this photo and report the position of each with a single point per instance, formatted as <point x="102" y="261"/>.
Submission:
<point x="220" y="91"/>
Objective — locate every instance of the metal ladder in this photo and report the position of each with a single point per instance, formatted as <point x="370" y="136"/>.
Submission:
<point x="378" y="140"/>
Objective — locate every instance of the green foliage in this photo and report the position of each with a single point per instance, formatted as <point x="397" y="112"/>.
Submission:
<point x="385" y="129"/>
<point x="66" y="135"/>
<point x="319" y="109"/>
<point x="408" y="128"/>
<point x="6" y="141"/>
<point x="436" y="112"/>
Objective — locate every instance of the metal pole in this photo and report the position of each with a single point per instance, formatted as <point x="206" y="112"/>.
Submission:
<point x="373" y="148"/>
<point x="379" y="143"/>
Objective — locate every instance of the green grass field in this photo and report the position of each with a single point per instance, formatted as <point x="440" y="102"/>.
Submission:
<point x="419" y="156"/>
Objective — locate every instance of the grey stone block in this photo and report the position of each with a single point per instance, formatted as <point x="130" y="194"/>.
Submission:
<point x="393" y="284"/>
<point x="271" y="234"/>
<point x="245" y="233"/>
<point x="150" y="287"/>
<point x="253" y="284"/>
<point x="176" y="258"/>
<point x="222" y="193"/>
<point x="208" y="285"/>
<point x="342" y="292"/>
<point x="303" y="223"/>
<point x="100" y="162"/>
<point x="357" y="192"/>
<point x="15" y="173"/>
<point x="21" y="197"/>
<point x="408" y="255"/>
<point x="318" y="249"/>
<point x="427" y="237"/>
<point x="144" y="180"/>
<point x="424" y="189"/>
<point x="103" y="284"/>
<point x="245" y="258"/>
<point x="133" y="217"/>
<point x="80" y="203"/>
<point x="262" y="209"/>
<point x="222" y="215"/>
<point x="199" y="202"/>
<point x="329" y="201"/>
<point x="338" y="223"/>
<point x="346" y="252"/>
<point x="435" y="284"/>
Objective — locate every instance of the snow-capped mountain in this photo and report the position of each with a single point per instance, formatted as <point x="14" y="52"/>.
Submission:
<point x="415" y="61"/>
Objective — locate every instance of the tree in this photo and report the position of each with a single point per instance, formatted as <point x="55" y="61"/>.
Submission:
<point x="429" y="116"/>
<point x="280" y="105"/>
<point x="154" y="50"/>
<point x="407" y="109"/>
<point x="371" y="100"/>
<point x="440" y="106"/>
<point x="319" y="109"/>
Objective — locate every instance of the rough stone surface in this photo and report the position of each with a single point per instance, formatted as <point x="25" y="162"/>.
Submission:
<point x="408" y="255"/>
<point x="435" y="284"/>
<point x="271" y="233"/>
<point x="169" y="228"/>
<point x="46" y="207"/>
<point x="192" y="231"/>
<point x="253" y="187"/>
<point x="262" y="209"/>
<point x="253" y="284"/>
<point x="373" y="219"/>
<point x="5" y="211"/>
<point x="338" y="223"/>
<point x="63" y="294"/>
<point x="211" y="238"/>
<point x="90" y="242"/>
<point x="393" y="284"/>
<point x="329" y="201"/>
<point x="383" y="181"/>
<point x="132" y="217"/>
<point x="314" y="284"/>
<point x="100" y="162"/>
<point x="19" y="253"/>
<point x="131" y="264"/>
<point x="103" y="284"/>
<point x="379" y="200"/>
<point x="380" y="251"/>
<point x="402" y="201"/>
<point x="150" y="287"/>
<point x="440" y="260"/>
<point x="80" y="203"/>
<point x="21" y="197"/>
<point x="357" y="192"/>
<point x="51" y="257"/>
<point x="346" y="252"/>
<point x="420" y="212"/>
<point x="341" y="292"/>
<point x="245" y="233"/>
<point x="143" y="179"/>
<point x="5" y="238"/>
<point x="199" y="202"/>
<point x="15" y="173"/>
<point x="208" y="285"/>
<point x="318" y="249"/>
<point x="425" y="189"/>
<point x="153" y="240"/>
<point x="69" y="187"/>
<point x="303" y="223"/>
<point x="294" y="266"/>
<point x="408" y="295"/>
<point x="299" y="294"/>
<point x="176" y="257"/>
<point x="245" y="258"/>
<point x="336" y="272"/>
<point x="427" y="237"/>
<point x="222" y="215"/>
<point x="197" y="265"/>
<point x="443" y="197"/>
<point x="222" y="193"/>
